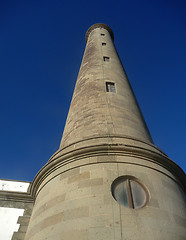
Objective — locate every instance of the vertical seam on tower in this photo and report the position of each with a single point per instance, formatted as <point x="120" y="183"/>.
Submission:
<point x="108" y="136"/>
<point x="120" y="209"/>
<point x="103" y="78"/>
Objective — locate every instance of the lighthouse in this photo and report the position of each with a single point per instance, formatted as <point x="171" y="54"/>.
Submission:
<point x="107" y="181"/>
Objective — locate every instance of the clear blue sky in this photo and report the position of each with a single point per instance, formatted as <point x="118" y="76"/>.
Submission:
<point x="41" y="47"/>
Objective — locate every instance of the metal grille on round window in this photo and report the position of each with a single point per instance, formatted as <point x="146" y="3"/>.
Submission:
<point x="129" y="192"/>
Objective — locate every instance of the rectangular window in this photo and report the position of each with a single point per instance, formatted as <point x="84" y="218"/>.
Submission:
<point x="110" y="87"/>
<point x="102" y="34"/>
<point x="103" y="44"/>
<point x="106" y="59"/>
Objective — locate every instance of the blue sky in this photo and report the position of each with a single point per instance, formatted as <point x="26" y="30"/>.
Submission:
<point x="41" y="47"/>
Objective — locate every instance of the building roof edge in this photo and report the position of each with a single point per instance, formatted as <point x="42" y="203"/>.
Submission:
<point x="99" y="25"/>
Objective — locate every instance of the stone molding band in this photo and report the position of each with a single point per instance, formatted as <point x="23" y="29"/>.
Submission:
<point x="99" y="25"/>
<point x="16" y="196"/>
<point x="110" y="136"/>
<point x="105" y="149"/>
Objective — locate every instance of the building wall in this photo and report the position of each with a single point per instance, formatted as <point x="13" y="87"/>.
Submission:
<point x="15" y="209"/>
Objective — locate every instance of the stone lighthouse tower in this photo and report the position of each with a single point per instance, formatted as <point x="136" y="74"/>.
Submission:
<point x="107" y="181"/>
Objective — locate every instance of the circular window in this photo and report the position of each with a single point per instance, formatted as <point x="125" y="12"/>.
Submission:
<point x="129" y="192"/>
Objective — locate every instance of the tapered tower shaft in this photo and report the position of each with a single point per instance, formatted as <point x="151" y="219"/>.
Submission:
<point x="103" y="102"/>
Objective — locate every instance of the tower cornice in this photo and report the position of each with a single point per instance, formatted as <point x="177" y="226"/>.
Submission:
<point x="62" y="160"/>
<point x="99" y="25"/>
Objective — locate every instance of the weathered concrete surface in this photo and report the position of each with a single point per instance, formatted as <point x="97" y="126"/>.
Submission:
<point x="94" y="111"/>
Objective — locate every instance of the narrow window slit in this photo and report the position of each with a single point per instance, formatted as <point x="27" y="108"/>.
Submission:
<point x="103" y="44"/>
<point x="110" y="87"/>
<point x="106" y="59"/>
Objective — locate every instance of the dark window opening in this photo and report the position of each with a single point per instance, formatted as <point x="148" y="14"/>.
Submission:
<point x="103" y="44"/>
<point x="110" y="87"/>
<point x="106" y="59"/>
<point x="102" y="34"/>
<point x="128" y="192"/>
